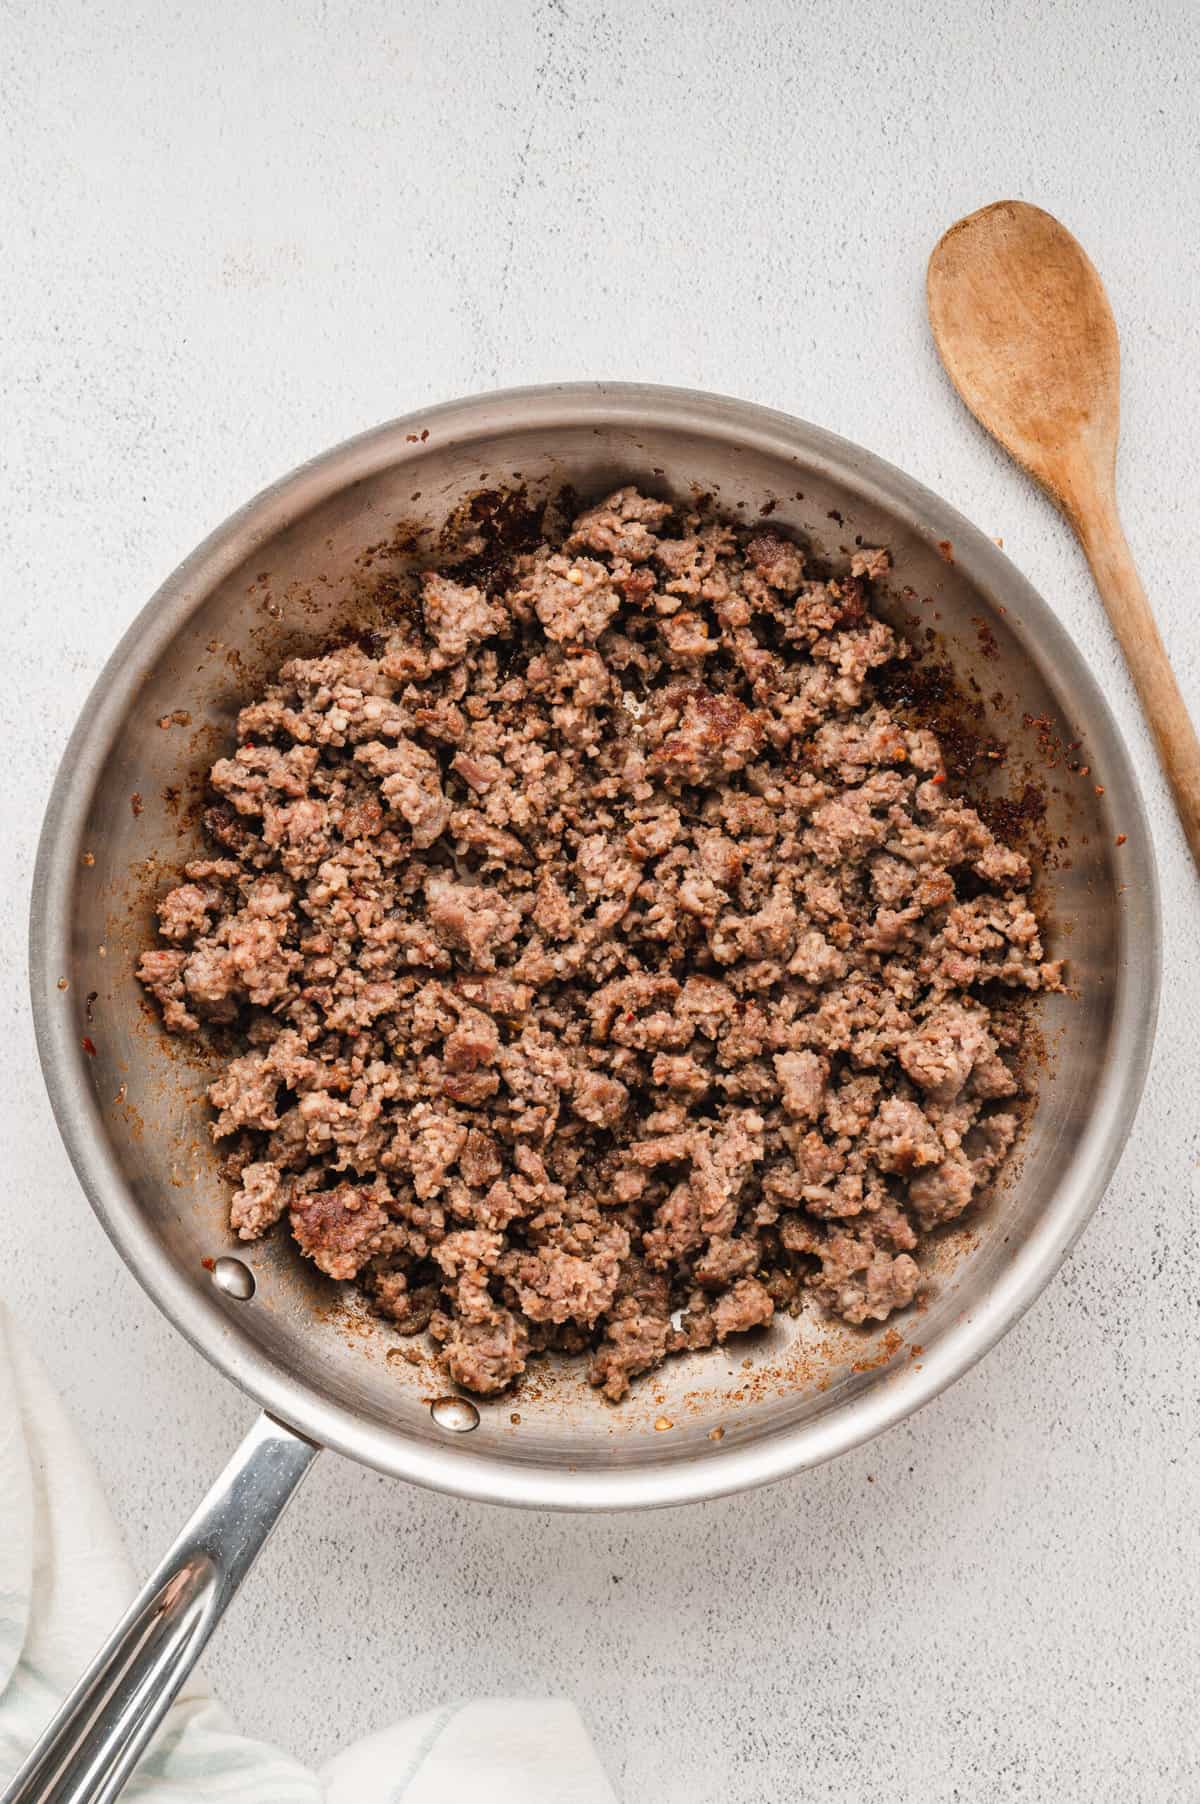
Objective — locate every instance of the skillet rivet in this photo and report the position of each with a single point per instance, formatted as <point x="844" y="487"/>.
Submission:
<point x="458" y="1414"/>
<point x="234" y="1278"/>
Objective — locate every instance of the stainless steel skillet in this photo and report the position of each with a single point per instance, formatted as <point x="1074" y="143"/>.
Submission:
<point x="306" y="558"/>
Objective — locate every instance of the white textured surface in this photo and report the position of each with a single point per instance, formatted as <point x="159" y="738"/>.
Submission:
<point x="233" y="234"/>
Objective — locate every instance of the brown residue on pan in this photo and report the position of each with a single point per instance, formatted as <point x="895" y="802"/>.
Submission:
<point x="482" y="537"/>
<point x="986" y="637"/>
<point x="946" y="549"/>
<point x="133" y="1121"/>
<point x="1052" y="749"/>
<point x="1015" y="818"/>
<point x="136" y="804"/>
<point x="924" y="692"/>
<point x="889" y="1346"/>
<point x="406" y="539"/>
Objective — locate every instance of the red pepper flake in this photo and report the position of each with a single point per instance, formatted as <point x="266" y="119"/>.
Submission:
<point x="210" y="1265"/>
<point x="89" y="1046"/>
<point x="946" y="548"/>
<point x="940" y="778"/>
<point x="135" y="802"/>
<point x="1120" y="839"/>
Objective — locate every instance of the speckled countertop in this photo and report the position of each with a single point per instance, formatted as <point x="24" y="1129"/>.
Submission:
<point x="234" y="235"/>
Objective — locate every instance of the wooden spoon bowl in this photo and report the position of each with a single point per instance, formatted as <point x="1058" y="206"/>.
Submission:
<point x="1024" y="328"/>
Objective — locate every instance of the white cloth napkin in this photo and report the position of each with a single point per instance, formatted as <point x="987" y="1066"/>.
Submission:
<point x="65" y="1580"/>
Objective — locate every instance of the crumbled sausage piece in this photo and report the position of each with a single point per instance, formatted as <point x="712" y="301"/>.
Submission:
<point x="573" y="598"/>
<point x="901" y="1139"/>
<point x="802" y="1083"/>
<point x="599" y="1099"/>
<point x="162" y="974"/>
<point x="622" y="526"/>
<point x="940" y="1054"/>
<point x="188" y="911"/>
<point x="457" y="616"/>
<point x="777" y="560"/>
<point x="259" y="1201"/>
<point x="409" y="1306"/>
<point x="747" y="1305"/>
<point x="338" y="1229"/>
<point x="478" y="921"/>
<point x="410" y="784"/>
<point x="708" y="736"/>
<point x="636" y="1330"/>
<point x="484" y="1356"/>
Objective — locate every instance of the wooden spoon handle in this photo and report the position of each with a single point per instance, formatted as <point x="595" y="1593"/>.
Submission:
<point x="1108" y="553"/>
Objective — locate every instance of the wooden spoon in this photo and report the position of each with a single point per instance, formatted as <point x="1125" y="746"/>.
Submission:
<point x="1027" y="336"/>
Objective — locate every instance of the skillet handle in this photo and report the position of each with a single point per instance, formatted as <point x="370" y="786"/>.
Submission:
<point x="90" y="1749"/>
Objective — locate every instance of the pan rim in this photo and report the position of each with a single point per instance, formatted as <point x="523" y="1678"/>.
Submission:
<point x="455" y="1468"/>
